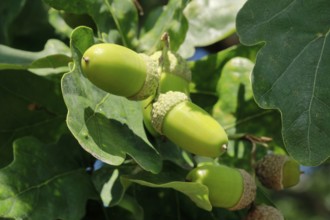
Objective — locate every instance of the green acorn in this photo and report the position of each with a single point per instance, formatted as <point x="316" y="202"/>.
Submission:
<point x="228" y="187"/>
<point x="175" y="75"/>
<point x="264" y="212"/>
<point x="278" y="171"/>
<point x="120" y="71"/>
<point x="187" y="125"/>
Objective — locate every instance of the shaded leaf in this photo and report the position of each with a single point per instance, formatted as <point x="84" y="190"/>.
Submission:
<point x="206" y="71"/>
<point x="235" y="75"/>
<point x="31" y="105"/>
<point x="30" y="29"/>
<point x="171" y="152"/>
<point x="95" y="9"/>
<point x="209" y="21"/>
<point x="107" y="126"/>
<point x="41" y="182"/>
<point x="56" y="19"/>
<point x="172" y="21"/>
<point x="55" y="55"/>
<point x="130" y="204"/>
<point x="173" y="177"/>
<point x="107" y="181"/>
<point x="125" y="16"/>
<point x="9" y="10"/>
<point x="291" y="71"/>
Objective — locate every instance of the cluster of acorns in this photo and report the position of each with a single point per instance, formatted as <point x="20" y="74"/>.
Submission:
<point x="161" y="83"/>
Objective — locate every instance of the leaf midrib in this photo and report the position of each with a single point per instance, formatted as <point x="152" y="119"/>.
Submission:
<point x="44" y="183"/>
<point x="313" y="96"/>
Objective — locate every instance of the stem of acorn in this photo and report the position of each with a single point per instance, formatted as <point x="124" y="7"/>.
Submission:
<point x="86" y="59"/>
<point x="165" y="40"/>
<point x="139" y="7"/>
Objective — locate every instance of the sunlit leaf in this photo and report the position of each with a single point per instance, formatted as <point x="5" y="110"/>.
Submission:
<point x="209" y="21"/>
<point x="172" y="21"/>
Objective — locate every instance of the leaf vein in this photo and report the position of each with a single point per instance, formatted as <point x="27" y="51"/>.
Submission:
<point x="287" y="68"/>
<point x="272" y="17"/>
<point x="313" y="95"/>
<point x="42" y="184"/>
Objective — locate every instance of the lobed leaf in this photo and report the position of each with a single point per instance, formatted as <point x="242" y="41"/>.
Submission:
<point x="32" y="105"/>
<point x="43" y="179"/>
<point x="291" y="72"/>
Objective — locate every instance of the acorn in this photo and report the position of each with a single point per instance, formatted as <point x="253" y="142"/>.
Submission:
<point x="264" y="212"/>
<point x="175" y="75"/>
<point x="120" y="71"/>
<point x="278" y="172"/>
<point x="187" y="125"/>
<point x="229" y="188"/>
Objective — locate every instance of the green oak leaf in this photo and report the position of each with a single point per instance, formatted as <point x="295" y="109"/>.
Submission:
<point x="125" y="17"/>
<point x="235" y="75"/>
<point x="45" y="181"/>
<point x="9" y="10"/>
<point x="55" y="18"/>
<point x="95" y="9"/>
<point x="31" y="105"/>
<point x="291" y="71"/>
<point x="206" y="73"/>
<point x="173" y="177"/>
<point x="172" y="21"/>
<point x="107" y="126"/>
<point x="53" y="58"/>
<point x="236" y="108"/>
<point x="209" y="22"/>
<point x="109" y="184"/>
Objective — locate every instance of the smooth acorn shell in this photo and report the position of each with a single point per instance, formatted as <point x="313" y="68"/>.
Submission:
<point x="116" y="69"/>
<point x="194" y="130"/>
<point x="278" y="171"/>
<point x="188" y="125"/>
<point x="290" y="174"/>
<point x="229" y="188"/>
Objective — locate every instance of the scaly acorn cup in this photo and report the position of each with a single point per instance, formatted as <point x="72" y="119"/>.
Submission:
<point x="278" y="171"/>
<point x="120" y="71"/>
<point x="175" y="75"/>
<point x="229" y="188"/>
<point x="187" y="125"/>
<point x="264" y="212"/>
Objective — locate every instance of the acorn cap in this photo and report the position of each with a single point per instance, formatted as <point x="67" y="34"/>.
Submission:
<point x="151" y="82"/>
<point x="173" y="64"/>
<point x="270" y="171"/>
<point x="163" y="105"/>
<point x="264" y="212"/>
<point x="249" y="191"/>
